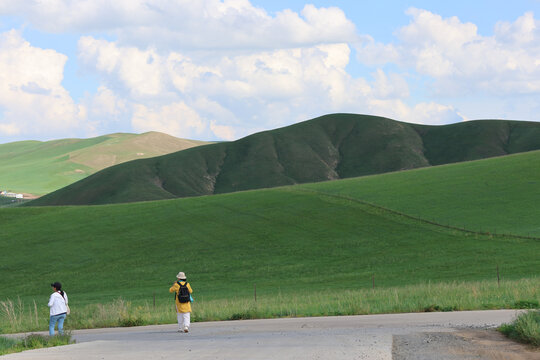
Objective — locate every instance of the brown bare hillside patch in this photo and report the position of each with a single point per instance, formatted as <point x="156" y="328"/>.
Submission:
<point x="126" y="147"/>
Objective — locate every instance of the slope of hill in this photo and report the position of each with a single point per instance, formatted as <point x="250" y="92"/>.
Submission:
<point x="496" y="195"/>
<point x="327" y="148"/>
<point x="287" y="240"/>
<point x="41" y="167"/>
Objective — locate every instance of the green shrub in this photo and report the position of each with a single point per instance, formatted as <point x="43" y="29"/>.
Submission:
<point x="433" y="308"/>
<point x="525" y="328"/>
<point x="131" y="321"/>
<point x="526" y="304"/>
<point x="243" y="316"/>
<point x="6" y="344"/>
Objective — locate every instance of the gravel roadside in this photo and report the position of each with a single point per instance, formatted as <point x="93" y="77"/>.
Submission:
<point x="460" y="345"/>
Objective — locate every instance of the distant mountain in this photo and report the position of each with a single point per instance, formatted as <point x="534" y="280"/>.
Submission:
<point x="326" y="148"/>
<point x="38" y="168"/>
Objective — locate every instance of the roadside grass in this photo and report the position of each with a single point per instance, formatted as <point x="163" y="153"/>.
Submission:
<point x="6" y="343"/>
<point x="453" y="296"/>
<point x="33" y="341"/>
<point x="18" y="315"/>
<point x="525" y="328"/>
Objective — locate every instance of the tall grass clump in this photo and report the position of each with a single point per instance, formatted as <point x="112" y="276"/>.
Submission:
<point x="525" y="328"/>
<point x="117" y="313"/>
<point x="15" y="316"/>
<point x="32" y="341"/>
<point x="6" y="344"/>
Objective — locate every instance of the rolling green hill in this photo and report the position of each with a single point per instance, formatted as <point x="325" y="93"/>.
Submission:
<point x="286" y="240"/>
<point x="38" y="168"/>
<point x="496" y="195"/>
<point x="327" y="148"/>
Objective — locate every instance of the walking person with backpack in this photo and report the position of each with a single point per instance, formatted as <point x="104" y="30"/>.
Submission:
<point x="58" y="303"/>
<point x="183" y="299"/>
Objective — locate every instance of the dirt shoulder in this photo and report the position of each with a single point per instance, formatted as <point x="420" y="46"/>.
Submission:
<point x="460" y="345"/>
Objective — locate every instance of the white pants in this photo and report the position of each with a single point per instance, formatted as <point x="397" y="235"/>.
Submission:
<point x="183" y="320"/>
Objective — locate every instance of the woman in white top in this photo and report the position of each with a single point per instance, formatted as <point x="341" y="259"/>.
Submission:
<point x="58" y="304"/>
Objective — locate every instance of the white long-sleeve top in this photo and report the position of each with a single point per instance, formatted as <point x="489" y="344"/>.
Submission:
<point x="58" y="304"/>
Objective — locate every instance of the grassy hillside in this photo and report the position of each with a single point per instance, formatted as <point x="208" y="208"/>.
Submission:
<point x="287" y="240"/>
<point x="327" y="148"/>
<point x="41" y="167"/>
<point x="497" y="195"/>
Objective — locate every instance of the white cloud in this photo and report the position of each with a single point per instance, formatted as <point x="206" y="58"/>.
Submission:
<point x="102" y="111"/>
<point x="389" y="85"/>
<point x="523" y="31"/>
<point x="461" y="60"/>
<point x="223" y="131"/>
<point x="106" y="103"/>
<point x="177" y="119"/>
<point x="138" y="71"/>
<point x="174" y="24"/>
<point x="10" y="129"/>
<point x="168" y="71"/>
<point x="434" y="114"/>
<point x="421" y="113"/>
<point x="237" y="95"/>
<point x="32" y="98"/>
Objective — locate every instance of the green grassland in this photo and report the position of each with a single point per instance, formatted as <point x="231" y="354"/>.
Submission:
<point x="497" y="195"/>
<point x="331" y="147"/>
<point x="41" y="167"/>
<point x="291" y="240"/>
<point x="7" y="201"/>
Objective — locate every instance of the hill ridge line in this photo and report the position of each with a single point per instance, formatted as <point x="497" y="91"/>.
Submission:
<point x="330" y="147"/>
<point x="395" y="212"/>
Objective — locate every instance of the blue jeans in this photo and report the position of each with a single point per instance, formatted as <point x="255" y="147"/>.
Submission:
<point x="52" y="322"/>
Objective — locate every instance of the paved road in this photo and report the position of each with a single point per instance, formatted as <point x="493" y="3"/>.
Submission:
<point x="346" y="337"/>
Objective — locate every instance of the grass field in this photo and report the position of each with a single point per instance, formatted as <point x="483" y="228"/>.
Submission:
<point x="289" y="237"/>
<point x="290" y="242"/>
<point x="282" y="238"/>
<point x="41" y="167"/>
<point x="497" y="195"/>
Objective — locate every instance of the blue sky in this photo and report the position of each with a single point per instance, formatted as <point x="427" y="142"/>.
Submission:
<point x="221" y="70"/>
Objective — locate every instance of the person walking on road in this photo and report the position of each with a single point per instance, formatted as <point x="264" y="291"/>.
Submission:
<point x="183" y="299"/>
<point x="58" y="304"/>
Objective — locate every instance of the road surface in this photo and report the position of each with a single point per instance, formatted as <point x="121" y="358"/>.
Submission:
<point x="374" y="337"/>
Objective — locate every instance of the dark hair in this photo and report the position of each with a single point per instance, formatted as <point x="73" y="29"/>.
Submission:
<point x="57" y="285"/>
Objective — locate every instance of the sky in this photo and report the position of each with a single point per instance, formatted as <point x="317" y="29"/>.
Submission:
<point x="221" y="70"/>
